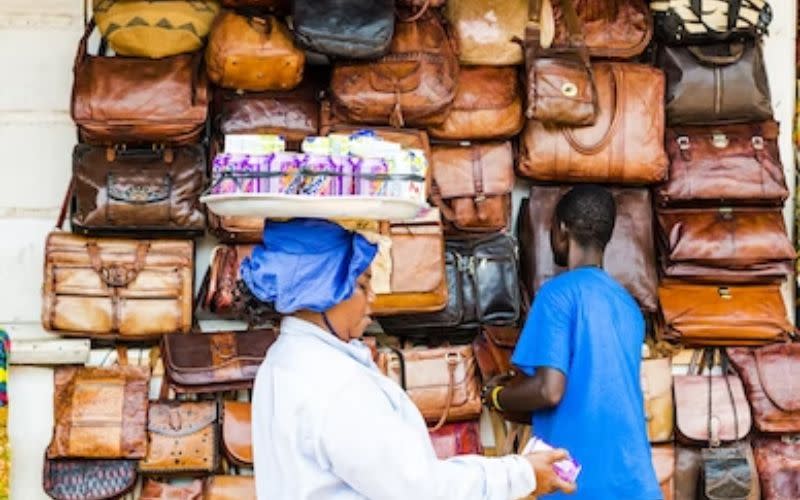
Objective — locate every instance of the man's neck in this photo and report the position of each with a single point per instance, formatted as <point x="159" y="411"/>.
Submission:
<point x="584" y="257"/>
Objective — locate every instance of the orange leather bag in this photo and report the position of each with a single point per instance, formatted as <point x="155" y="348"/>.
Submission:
<point x="182" y="438"/>
<point x="155" y="490"/>
<point x="237" y="440"/>
<point x="230" y="488"/>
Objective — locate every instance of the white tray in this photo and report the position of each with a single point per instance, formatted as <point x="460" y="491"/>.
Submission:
<point x="281" y="206"/>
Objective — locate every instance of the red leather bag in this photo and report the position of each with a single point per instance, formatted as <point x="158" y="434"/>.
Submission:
<point x="459" y="438"/>
<point x="778" y="463"/>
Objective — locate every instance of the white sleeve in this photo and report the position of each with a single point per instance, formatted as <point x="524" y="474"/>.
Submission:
<point x="370" y="446"/>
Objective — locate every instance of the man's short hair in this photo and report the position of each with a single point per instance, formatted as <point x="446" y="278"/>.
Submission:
<point x="589" y="212"/>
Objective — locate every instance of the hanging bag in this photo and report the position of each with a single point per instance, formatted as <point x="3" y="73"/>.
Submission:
<point x="704" y="21"/>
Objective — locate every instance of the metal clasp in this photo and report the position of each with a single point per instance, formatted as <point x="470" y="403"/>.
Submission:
<point x="569" y="89"/>
<point x="758" y="143"/>
<point x="724" y="293"/>
<point x="683" y="142"/>
<point x="719" y="140"/>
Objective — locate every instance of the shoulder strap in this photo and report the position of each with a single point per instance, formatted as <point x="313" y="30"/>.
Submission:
<point x="62" y="215"/>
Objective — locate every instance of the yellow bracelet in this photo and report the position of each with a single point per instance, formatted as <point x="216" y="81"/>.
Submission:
<point x="495" y="393"/>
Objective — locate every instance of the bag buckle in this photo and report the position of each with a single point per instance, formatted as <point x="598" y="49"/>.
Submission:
<point x="683" y="142"/>
<point x="724" y="293"/>
<point x="758" y="142"/>
<point x="452" y="358"/>
<point x="719" y="140"/>
<point x="117" y="276"/>
<point x="569" y="89"/>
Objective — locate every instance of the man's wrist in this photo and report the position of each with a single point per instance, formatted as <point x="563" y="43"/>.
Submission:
<point x="495" y="397"/>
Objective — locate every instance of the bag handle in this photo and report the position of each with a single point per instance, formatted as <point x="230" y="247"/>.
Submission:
<point x="417" y="15"/>
<point x="737" y="51"/>
<point x="117" y="276"/>
<point x="710" y="354"/>
<point x="590" y="149"/>
<point x="452" y="362"/>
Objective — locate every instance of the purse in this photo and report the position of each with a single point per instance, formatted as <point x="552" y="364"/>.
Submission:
<point x="728" y="473"/>
<point x="704" y="21"/>
<point x="472" y="186"/>
<point x="486" y="30"/>
<point x="154" y="490"/>
<point x="220" y="293"/>
<point x="253" y="53"/>
<point x="629" y="257"/>
<point x="413" y="85"/>
<point x="441" y="381"/>
<point x="235" y="229"/>
<point x="138" y="192"/>
<point x="493" y="349"/>
<point x="214" y="362"/>
<point x="123" y="100"/>
<point x="734" y="245"/>
<point x="88" y="479"/>
<point x="664" y="465"/>
<point x="349" y="29"/>
<point x="488" y="105"/>
<point x="707" y="315"/>
<point x="458" y="438"/>
<point x="769" y="375"/>
<point x="230" y="488"/>
<point x="237" y="433"/>
<point x="728" y="164"/>
<point x="710" y="85"/>
<point x="617" y="148"/>
<point x="182" y="438"/>
<point x="778" y="462"/>
<point x="154" y="29"/>
<point x="656" y="377"/>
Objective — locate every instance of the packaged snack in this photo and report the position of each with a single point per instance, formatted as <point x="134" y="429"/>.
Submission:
<point x="409" y="162"/>
<point x="315" y="145"/>
<point x="254" y="144"/>
<point x="335" y="176"/>
<point x="366" y="186"/>
<point x="285" y="177"/>
<point x="232" y="164"/>
<point x="567" y="469"/>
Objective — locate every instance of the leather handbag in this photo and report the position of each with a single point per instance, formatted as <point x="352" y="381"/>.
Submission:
<point x="458" y="438"/>
<point x="486" y="30"/>
<point x="493" y="349"/>
<point x="155" y="490"/>
<point x="733" y="245"/>
<point x="728" y="473"/>
<point x="88" y="479"/>
<point x="220" y="293"/>
<point x="617" y="148"/>
<point x="704" y="21"/>
<point x="143" y="191"/>
<point x="724" y="83"/>
<point x="100" y="412"/>
<point x="736" y="315"/>
<point x="728" y="164"/>
<point x="664" y="465"/>
<point x="350" y="29"/>
<point x="182" y="438"/>
<point x="770" y="375"/>
<point x="441" y="381"/>
<point x="230" y="488"/>
<point x="235" y="229"/>
<point x="237" y="433"/>
<point x="125" y="100"/>
<point x="118" y="289"/>
<point x="488" y="105"/>
<point x="656" y="377"/>
<point x="413" y="85"/>
<point x="154" y="29"/>
<point x="778" y="462"/>
<point x="629" y="257"/>
<point x="472" y="186"/>
<point x="214" y="362"/>
<point x="253" y="53"/>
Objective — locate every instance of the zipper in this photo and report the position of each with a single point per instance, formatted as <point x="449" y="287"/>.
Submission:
<point x="717" y="90"/>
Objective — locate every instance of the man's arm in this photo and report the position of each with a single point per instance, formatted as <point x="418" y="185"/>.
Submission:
<point x="527" y="394"/>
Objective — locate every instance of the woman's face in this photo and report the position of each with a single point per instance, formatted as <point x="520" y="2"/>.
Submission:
<point x="351" y="317"/>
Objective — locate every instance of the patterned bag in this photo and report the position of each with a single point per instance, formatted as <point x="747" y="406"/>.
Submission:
<point x="88" y="479"/>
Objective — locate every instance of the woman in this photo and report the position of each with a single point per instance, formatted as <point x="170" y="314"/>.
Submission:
<point x="326" y="423"/>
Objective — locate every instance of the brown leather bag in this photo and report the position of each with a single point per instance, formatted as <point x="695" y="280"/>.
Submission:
<point x="472" y="185"/>
<point x="237" y="433"/>
<point x="235" y="229"/>
<point x="121" y="289"/>
<point x="488" y="105"/>
<point x="182" y="438"/>
<point x="141" y="191"/>
<point x="458" y="438"/>
<point x="128" y="100"/>
<point x="617" y="148"/>
<point x="486" y="30"/>
<point x="413" y="85"/>
<point x="154" y="490"/>
<point x="441" y="381"/>
<point x="629" y="256"/>
<point x="220" y="292"/>
<point x="729" y="164"/>
<point x="230" y="488"/>
<point x="732" y="245"/>
<point x="778" y="462"/>
<point x="770" y="375"/>
<point x="493" y="349"/>
<point x="276" y="6"/>
<point x="656" y="378"/>
<point x="664" y="465"/>
<point x="736" y="315"/>
<point x="253" y="53"/>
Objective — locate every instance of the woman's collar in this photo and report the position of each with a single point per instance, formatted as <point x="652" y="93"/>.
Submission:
<point x="356" y="349"/>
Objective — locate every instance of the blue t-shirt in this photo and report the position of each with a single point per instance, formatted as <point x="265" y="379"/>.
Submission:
<point x="587" y="326"/>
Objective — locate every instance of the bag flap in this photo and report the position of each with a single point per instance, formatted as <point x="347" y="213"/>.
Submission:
<point x="182" y="418"/>
<point x="417" y="257"/>
<point x="196" y="355"/>
<point x="237" y="431"/>
<point x="779" y="372"/>
<point x="727" y="474"/>
<point x="691" y="408"/>
<point x="688" y="303"/>
<point x="503" y="336"/>
<point x="138" y="187"/>
<point x="656" y="375"/>
<point x="474" y="170"/>
<point x="486" y="87"/>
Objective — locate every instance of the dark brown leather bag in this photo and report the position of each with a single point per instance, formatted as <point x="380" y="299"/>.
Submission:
<point x="141" y="191"/>
<point x="770" y="375"/>
<point x="493" y="349"/>
<point x="733" y="245"/>
<point x="708" y="315"/>
<point x="724" y="83"/>
<point x="472" y="185"/>
<point x="617" y="148"/>
<point x="128" y="100"/>
<point x="237" y="437"/>
<point x="213" y="362"/>
<point x="413" y="85"/>
<point x="230" y="488"/>
<point x="778" y="462"/>
<point x="154" y="490"/>
<point x="728" y="164"/>
<point x="182" y="438"/>
<point x="629" y="256"/>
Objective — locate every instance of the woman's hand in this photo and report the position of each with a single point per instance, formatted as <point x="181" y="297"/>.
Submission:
<point x="546" y="479"/>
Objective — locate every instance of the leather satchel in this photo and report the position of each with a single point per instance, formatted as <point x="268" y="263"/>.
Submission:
<point x="141" y="191"/>
<point x="629" y="256"/>
<point x="220" y="293"/>
<point x="118" y="289"/>
<point x="230" y="488"/>
<point x="235" y="229"/>
<point x="472" y="186"/>
<point x="88" y="479"/>
<point x="458" y="438"/>
<point x="350" y="29"/>
<point x="617" y="148"/>
<point x="488" y="105"/>
<point x="237" y="433"/>
<point x="664" y="465"/>
<point x="182" y="438"/>
<point x="732" y="245"/>
<point x="486" y="30"/>
<point x="737" y="315"/>
<point x="414" y="85"/>
<point x="704" y="21"/>
<point x="214" y="362"/>
<point x="125" y="100"/>
<point x="728" y="164"/>
<point x="253" y="53"/>
<point x="441" y="381"/>
<point x="656" y="377"/>
<point x="493" y="349"/>
<point x="723" y="83"/>
<point x="770" y="376"/>
<point x="155" y="490"/>
<point x="778" y="462"/>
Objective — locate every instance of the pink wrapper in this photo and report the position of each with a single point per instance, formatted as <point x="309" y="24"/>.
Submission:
<point x="328" y="185"/>
<point x="288" y="165"/>
<point x="370" y="187"/>
<point x="233" y="163"/>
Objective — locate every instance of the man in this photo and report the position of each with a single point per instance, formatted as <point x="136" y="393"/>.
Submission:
<point x="581" y="351"/>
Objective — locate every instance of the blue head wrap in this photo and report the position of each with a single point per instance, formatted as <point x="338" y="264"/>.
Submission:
<point x="306" y="264"/>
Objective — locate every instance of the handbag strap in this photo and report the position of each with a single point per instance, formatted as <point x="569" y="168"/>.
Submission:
<point x="616" y="118"/>
<point x="417" y="15"/>
<point x="452" y="362"/>
<point x="710" y="354"/>
<point x="737" y="51"/>
<point x="62" y="214"/>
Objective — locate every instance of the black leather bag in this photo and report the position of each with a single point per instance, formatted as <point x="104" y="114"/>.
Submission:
<point x="351" y="29"/>
<point x="727" y="474"/>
